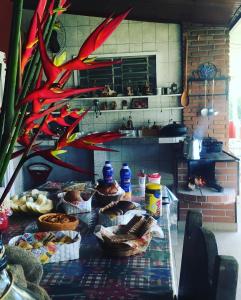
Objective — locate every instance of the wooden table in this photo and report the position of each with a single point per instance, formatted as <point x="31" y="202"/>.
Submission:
<point x="96" y="276"/>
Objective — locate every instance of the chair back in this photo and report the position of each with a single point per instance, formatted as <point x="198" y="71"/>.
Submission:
<point x="205" y="274"/>
<point x="225" y="278"/>
<point x="187" y="278"/>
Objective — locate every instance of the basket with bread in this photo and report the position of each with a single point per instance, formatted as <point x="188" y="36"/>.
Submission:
<point x="49" y="247"/>
<point x="77" y="198"/>
<point x="129" y="239"/>
<point x="118" y="212"/>
<point x="108" y="192"/>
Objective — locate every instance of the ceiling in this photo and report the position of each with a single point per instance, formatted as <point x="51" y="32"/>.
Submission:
<point x="213" y="12"/>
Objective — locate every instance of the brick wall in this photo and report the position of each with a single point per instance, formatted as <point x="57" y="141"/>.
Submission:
<point x="207" y="44"/>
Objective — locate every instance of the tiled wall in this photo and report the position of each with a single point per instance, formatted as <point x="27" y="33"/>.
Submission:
<point x="131" y="37"/>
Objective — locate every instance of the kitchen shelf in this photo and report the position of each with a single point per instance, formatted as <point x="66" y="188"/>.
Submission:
<point x="171" y="95"/>
<point x="140" y="109"/>
<point x="207" y="95"/>
<point x="215" y="79"/>
<point x="113" y="98"/>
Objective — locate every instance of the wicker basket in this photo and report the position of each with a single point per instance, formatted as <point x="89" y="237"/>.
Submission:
<point x="103" y="200"/>
<point x="64" y="251"/>
<point x="82" y="207"/>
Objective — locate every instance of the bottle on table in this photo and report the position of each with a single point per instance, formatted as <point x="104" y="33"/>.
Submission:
<point x="125" y="180"/>
<point x="108" y="172"/>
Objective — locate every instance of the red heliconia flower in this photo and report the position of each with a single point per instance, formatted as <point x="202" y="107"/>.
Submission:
<point x="64" y="139"/>
<point x="54" y="94"/>
<point x="30" y="119"/>
<point x="31" y="40"/>
<point x="89" y="141"/>
<point x="100" y="34"/>
<point x="51" y="71"/>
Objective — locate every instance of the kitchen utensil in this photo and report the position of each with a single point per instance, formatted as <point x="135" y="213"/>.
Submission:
<point x="173" y="129"/>
<point x="204" y="111"/>
<point x="211" y="111"/>
<point x="184" y="97"/>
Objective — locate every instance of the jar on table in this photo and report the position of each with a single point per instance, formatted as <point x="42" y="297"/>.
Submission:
<point x="153" y="199"/>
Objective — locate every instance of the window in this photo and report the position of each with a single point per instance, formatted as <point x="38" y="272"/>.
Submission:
<point x="136" y="72"/>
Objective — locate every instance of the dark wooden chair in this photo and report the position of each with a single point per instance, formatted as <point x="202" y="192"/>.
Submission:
<point x="205" y="274"/>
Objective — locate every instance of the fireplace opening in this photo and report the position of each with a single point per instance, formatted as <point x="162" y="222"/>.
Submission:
<point x="202" y="173"/>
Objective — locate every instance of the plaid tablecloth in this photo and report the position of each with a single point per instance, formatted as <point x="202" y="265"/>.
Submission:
<point x="96" y="276"/>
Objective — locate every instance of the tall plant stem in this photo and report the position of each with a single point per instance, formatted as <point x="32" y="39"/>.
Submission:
<point x="28" y="84"/>
<point x="12" y="69"/>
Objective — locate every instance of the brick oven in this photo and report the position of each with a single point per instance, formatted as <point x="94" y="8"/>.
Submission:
<point x="209" y="44"/>
<point x="217" y="206"/>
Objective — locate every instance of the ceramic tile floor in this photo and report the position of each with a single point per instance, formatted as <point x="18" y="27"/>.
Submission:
<point x="229" y="243"/>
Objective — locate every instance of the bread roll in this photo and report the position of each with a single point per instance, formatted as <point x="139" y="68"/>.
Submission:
<point x="73" y="196"/>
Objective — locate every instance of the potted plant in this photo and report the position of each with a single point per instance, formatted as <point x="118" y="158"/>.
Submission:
<point x="29" y="100"/>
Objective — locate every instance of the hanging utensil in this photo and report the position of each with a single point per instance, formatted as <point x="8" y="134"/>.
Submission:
<point x="184" y="97"/>
<point x="204" y="111"/>
<point x="211" y="111"/>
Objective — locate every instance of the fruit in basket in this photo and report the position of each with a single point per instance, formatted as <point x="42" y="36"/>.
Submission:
<point x="33" y="201"/>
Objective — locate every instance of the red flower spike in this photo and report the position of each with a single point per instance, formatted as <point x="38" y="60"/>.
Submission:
<point x="54" y="94"/>
<point x="31" y="40"/>
<point x="51" y="157"/>
<point x="64" y="78"/>
<point x="24" y="140"/>
<point x="101" y="137"/>
<point x="89" y="45"/>
<point x="50" y="70"/>
<point x="39" y="80"/>
<point x="76" y="64"/>
<point x="34" y="117"/>
<point x="45" y="129"/>
<point x="63" y="140"/>
<point x="60" y="120"/>
<point x="100" y="34"/>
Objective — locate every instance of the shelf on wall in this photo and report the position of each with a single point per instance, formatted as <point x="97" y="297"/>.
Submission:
<point x="218" y="78"/>
<point x="141" y="109"/>
<point x="207" y="95"/>
<point x="112" y="98"/>
<point x="171" y="95"/>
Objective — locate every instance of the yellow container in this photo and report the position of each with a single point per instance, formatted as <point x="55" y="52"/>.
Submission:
<point x="153" y="199"/>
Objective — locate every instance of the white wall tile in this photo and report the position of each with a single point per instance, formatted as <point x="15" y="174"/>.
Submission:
<point x="136" y="48"/>
<point x="161" y="33"/>
<point x="174" y="52"/>
<point x="123" y="48"/>
<point x="70" y="20"/>
<point x="135" y="31"/>
<point x="122" y="33"/>
<point x="163" y="50"/>
<point x="174" y="32"/>
<point x="149" y="46"/>
<point x="71" y="37"/>
<point x="83" y="20"/>
<point x="149" y="32"/>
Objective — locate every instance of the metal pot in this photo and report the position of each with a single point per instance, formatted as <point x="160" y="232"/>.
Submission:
<point x="173" y="129"/>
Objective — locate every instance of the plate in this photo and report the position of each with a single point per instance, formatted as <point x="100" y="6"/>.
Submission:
<point x="207" y="71"/>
